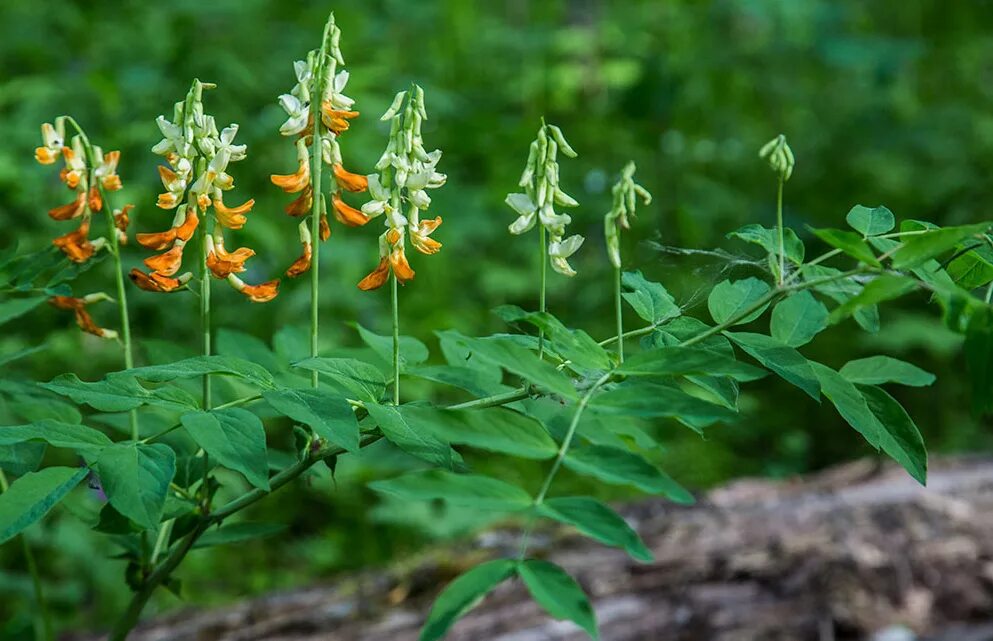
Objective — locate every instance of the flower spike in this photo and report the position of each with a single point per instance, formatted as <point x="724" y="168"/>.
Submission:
<point x="625" y="192"/>
<point x="83" y="318"/>
<point x="399" y="191"/>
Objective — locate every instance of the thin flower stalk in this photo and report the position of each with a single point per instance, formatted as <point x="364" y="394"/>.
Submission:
<point x="399" y="191"/>
<point x="781" y="160"/>
<point x="542" y="193"/>
<point x="625" y="200"/>
<point x="318" y="113"/>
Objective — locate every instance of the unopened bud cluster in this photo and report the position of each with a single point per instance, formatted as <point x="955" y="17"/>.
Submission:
<point x="781" y="160"/>
<point x="625" y="198"/>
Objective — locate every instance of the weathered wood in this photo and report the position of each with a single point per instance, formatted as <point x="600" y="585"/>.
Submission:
<point x="840" y="555"/>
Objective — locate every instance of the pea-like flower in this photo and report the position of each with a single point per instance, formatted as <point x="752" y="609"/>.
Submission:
<point x="542" y="192"/>
<point x="83" y="318"/>
<point x="399" y="191"/>
<point x="625" y="199"/>
<point x="317" y="106"/>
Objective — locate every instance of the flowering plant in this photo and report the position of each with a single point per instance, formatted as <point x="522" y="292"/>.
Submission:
<point x="541" y="391"/>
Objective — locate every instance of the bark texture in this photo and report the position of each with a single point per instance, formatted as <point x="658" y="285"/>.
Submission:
<point x="857" y="552"/>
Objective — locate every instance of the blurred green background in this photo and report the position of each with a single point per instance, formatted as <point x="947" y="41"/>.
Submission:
<point x="884" y="102"/>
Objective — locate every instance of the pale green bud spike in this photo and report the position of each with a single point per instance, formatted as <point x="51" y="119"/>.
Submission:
<point x="626" y="193"/>
<point x="779" y="155"/>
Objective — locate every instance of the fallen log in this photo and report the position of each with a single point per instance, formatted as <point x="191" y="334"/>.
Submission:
<point x="857" y="552"/>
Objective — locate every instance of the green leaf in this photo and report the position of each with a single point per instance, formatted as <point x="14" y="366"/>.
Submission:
<point x="649" y="300"/>
<point x="31" y="496"/>
<point x="17" y="307"/>
<point x="68" y="435"/>
<point x="463" y="594"/>
<point x="850" y="243"/>
<point x="849" y="402"/>
<point x="353" y="378"/>
<point x="973" y="269"/>
<point x="135" y="477"/>
<point x="870" y="221"/>
<point x="119" y="393"/>
<point x="409" y="438"/>
<point x="798" y="318"/>
<point x="841" y="290"/>
<point x="21" y="458"/>
<point x="620" y="467"/>
<point x="780" y="358"/>
<point x="472" y="380"/>
<point x="919" y="249"/>
<point x="331" y="417"/>
<point x="728" y="300"/>
<point x="597" y="521"/>
<point x="235" y="438"/>
<point x="572" y="344"/>
<point x="21" y="353"/>
<point x="877" y="290"/>
<point x="237" y="344"/>
<point x="467" y="490"/>
<point x="412" y="351"/>
<point x="877" y="370"/>
<point x="201" y="365"/>
<point x="768" y="239"/>
<point x="899" y="436"/>
<point x="654" y="400"/>
<point x="521" y="361"/>
<point x="553" y="589"/>
<point x="238" y="533"/>
<point x="496" y="429"/>
<point x="978" y="349"/>
<point x="682" y="361"/>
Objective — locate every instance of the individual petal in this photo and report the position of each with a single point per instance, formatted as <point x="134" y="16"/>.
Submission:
<point x="76" y="244"/>
<point x="232" y="217"/>
<point x="94" y="200"/>
<point x="377" y="277"/>
<point x="155" y="282"/>
<point x="349" y="181"/>
<point x="70" y="210"/>
<point x="298" y="180"/>
<point x="157" y="240"/>
<point x="167" y="263"/>
<point x="401" y="268"/>
<point x="303" y="203"/>
<point x="336" y="119"/>
<point x="301" y="264"/>
<point x="261" y="293"/>
<point x="185" y="231"/>
<point x="346" y="214"/>
<point x="122" y="218"/>
<point x="46" y="155"/>
<point x="325" y="228"/>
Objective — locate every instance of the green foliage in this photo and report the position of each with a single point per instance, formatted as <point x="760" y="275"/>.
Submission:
<point x="740" y="301"/>
<point x="235" y="438"/>
<point x="870" y="221"/>
<point x="136" y="477"/>
<point x="467" y="490"/>
<point x="463" y="594"/>
<point x="558" y="593"/>
<point x="597" y="521"/>
<point x="31" y="496"/>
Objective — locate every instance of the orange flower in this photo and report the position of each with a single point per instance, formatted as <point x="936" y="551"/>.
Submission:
<point x="346" y="214"/>
<point x="167" y="263"/>
<point x="398" y="260"/>
<point x="107" y="171"/>
<point x="70" y="210"/>
<point x="162" y="239"/>
<point x="301" y="206"/>
<point x="336" y="119"/>
<point x="83" y="318"/>
<point x="76" y="244"/>
<point x="298" y="180"/>
<point x="121" y="222"/>
<point x="222" y="263"/>
<point x="72" y="173"/>
<point x="377" y="277"/>
<point x="325" y="231"/>
<point x="349" y="181"/>
<point x="95" y="201"/>
<point x="185" y="231"/>
<point x="232" y="217"/>
<point x="46" y="155"/>
<point x="419" y="238"/>
<point x="155" y="282"/>
<point x="302" y="264"/>
<point x="261" y="293"/>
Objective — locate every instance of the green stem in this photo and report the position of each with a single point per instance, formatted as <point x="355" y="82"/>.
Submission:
<point x="989" y="293"/>
<point x="42" y="623"/>
<point x="780" y="230"/>
<point x="396" y="337"/>
<point x="317" y="166"/>
<point x="541" y="291"/>
<point x="619" y="312"/>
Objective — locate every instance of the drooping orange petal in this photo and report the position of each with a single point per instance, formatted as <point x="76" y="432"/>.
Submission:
<point x="185" y="231"/>
<point x="302" y="264"/>
<point x="233" y="217"/>
<point x="45" y="155"/>
<point x="336" y="119"/>
<point x="377" y="277"/>
<point x="349" y="181"/>
<point x="301" y="206"/>
<point x="167" y="263"/>
<point x="121" y="217"/>
<point x="292" y="183"/>
<point x="87" y="324"/>
<point x="76" y="244"/>
<point x="346" y="214"/>
<point x="157" y="240"/>
<point x="70" y="210"/>
<point x="239" y="255"/>
<point x="428" y="226"/>
<point x="325" y="228"/>
<point x="154" y="282"/>
<point x="398" y="259"/>
<point x="263" y="292"/>
<point x="94" y="200"/>
<point x="424" y="244"/>
<point x="65" y="302"/>
<point x="221" y="268"/>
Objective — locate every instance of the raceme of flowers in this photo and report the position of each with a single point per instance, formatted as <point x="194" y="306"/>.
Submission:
<point x="625" y="198"/>
<point x="399" y="190"/>
<point x="540" y="181"/>
<point x="319" y="74"/>
<point x="195" y="180"/>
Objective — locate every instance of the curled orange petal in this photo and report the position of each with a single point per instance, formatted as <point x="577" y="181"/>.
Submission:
<point x="398" y="259"/>
<point x="336" y="119"/>
<point x="70" y="210"/>
<point x="346" y="214"/>
<point x="76" y="244"/>
<point x="122" y="218"/>
<point x="94" y="200"/>
<point x="377" y="277"/>
<point x="325" y="228"/>
<point x="167" y="263"/>
<point x="154" y="282"/>
<point x="349" y="181"/>
<point x="301" y="206"/>
<point x="45" y="155"/>
<point x="292" y="183"/>
<point x="302" y="264"/>
<point x="157" y="240"/>
<point x="261" y="293"/>
<point x="233" y="217"/>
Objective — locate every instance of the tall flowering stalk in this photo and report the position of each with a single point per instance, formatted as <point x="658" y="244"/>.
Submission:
<point x="540" y="181"/>
<point x="318" y="123"/>
<point x="399" y="191"/>
<point x="195" y="180"/>
<point x="625" y="199"/>
<point x="781" y="160"/>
